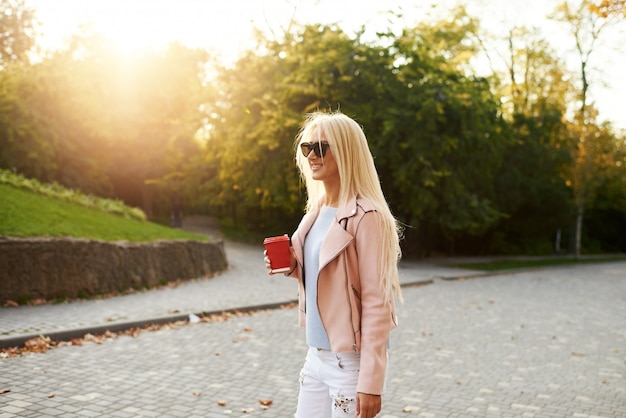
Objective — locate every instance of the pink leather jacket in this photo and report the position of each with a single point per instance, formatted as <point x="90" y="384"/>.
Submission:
<point x="350" y="299"/>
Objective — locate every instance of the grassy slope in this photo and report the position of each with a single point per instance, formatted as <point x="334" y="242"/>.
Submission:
<point x="27" y="214"/>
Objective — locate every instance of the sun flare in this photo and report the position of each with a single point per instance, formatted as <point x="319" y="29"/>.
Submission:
<point x="134" y="26"/>
<point x="226" y="27"/>
<point x="151" y="24"/>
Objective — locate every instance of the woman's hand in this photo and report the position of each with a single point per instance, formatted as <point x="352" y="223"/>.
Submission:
<point x="268" y="264"/>
<point x="367" y="406"/>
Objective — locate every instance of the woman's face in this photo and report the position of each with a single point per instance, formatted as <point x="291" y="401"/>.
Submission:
<point x="323" y="167"/>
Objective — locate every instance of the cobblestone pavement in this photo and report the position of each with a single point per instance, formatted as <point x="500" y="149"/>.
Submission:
<point x="536" y="344"/>
<point x="245" y="284"/>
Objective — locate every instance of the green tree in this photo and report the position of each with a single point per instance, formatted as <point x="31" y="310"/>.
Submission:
<point x="23" y="147"/>
<point x="17" y="37"/>
<point x="155" y="110"/>
<point x="62" y="104"/>
<point x="17" y="31"/>
<point x="258" y="113"/>
<point x="605" y="219"/>
<point x="534" y="90"/>
<point x="445" y="141"/>
<point x="587" y="22"/>
<point x="435" y="133"/>
<point x="90" y="118"/>
<point x="530" y="191"/>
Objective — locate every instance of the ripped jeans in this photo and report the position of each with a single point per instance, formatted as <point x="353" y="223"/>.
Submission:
<point x="328" y="385"/>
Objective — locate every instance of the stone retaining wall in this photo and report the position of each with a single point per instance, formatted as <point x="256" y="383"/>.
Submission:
<point x="49" y="268"/>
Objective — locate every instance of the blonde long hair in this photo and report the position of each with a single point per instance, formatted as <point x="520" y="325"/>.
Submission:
<point x="358" y="176"/>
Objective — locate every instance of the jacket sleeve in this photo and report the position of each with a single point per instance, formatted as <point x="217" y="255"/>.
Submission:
<point x="296" y="273"/>
<point x="376" y="322"/>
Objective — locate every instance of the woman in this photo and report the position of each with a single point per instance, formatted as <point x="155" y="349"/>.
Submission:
<point x="344" y="255"/>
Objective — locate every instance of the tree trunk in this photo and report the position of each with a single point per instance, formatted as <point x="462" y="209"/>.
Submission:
<point x="580" y="210"/>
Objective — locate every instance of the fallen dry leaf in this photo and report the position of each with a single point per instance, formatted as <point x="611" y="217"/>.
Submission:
<point x="197" y="394"/>
<point x="42" y="343"/>
<point x="97" y="339"/>
<point x="265" y="402"/>
<point x="5" y="390"/>
<point x="38" y="302"/>
<point x="52" y="395"/>
<point x="38" y="344"/>
<point x="222" y="403"/>
<point x="247" y="410"/>
<point x="407" y="409"/>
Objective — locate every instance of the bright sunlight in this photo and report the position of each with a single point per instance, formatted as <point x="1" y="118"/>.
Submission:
<point x="149" y="24"/>
<point x="226" y="28"/>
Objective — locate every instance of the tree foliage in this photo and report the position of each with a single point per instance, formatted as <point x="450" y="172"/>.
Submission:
<point x="587" y="23"/>
<point x="535" y="92"/>
<point x="17" y="31"/>
<point x="470" y="164"/>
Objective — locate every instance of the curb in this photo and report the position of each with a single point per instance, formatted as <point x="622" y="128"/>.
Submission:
<point x="79" y="332"/>
<point x="507" y="272"/>
<point x="68" y="334"/>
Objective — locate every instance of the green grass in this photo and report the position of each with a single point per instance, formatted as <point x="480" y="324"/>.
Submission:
<point x="114" y="206"/>
<point x="27" y="214"/>
<point x="520" y="264"/>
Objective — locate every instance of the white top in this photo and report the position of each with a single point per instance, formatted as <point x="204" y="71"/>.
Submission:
<point x="315" y="333"/>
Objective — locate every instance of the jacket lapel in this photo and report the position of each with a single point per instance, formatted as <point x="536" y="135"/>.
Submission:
<point x="338" y="238"/>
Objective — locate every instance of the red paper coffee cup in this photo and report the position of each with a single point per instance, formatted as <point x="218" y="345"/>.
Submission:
<point x="279" y="253"/>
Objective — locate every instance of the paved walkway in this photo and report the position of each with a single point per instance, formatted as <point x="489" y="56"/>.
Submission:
<point x="246" y="284"/>
<point x="536" y="344"/>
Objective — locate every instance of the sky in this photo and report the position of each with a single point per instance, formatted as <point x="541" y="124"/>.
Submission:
<point x="226" y="27"/>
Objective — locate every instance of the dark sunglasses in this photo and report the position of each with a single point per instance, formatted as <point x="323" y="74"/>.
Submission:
<point x="319" y="148"/>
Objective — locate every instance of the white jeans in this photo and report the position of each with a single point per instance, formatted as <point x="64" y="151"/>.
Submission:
<point x="328" y="385"/>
